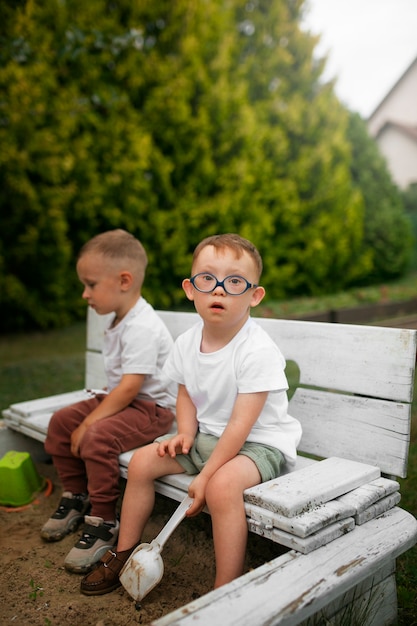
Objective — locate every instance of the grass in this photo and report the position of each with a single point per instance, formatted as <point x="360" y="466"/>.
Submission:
<point x="404" y="289"/>
<point x="39" y="364"/>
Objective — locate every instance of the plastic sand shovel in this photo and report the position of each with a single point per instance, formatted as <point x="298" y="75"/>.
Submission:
<point x="144" y="568"/>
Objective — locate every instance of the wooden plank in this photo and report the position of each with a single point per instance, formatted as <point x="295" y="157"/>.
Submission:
<point x="357" y="428"/>
<point x="378" y="508"/>
<point x="29" y="432"/>
<point x="363" y="360"/>
<point x="369" y="360"/>
<point x="365" y="496"/>
<point x="305" y="545"/>
<point x="177" y="322"/>
<point x="48" y="404"/>
<point x="304" y="524"/>
<point x="96" y="325"/>
<point x="95" y="377"/>
<point x="288" y="590"/>
<point x="301" y="491"/>
<point x="37" y="422"/>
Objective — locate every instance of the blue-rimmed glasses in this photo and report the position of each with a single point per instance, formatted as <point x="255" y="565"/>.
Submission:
<point x="233" y="285"/>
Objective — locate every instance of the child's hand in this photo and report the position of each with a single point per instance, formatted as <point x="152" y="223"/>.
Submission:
<point x="179" y="444"/>
<point x="76" y="438"/>
<point x="197" y="491"/>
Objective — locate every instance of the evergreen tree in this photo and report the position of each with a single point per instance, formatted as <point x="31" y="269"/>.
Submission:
<point x="388" y="233"/>
<point x="174" y="120"/>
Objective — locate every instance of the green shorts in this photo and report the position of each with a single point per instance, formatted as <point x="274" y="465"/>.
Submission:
<point x="268" y="460"/>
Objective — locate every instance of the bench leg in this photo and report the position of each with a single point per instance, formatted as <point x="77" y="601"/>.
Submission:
<point x="12" y="440"/>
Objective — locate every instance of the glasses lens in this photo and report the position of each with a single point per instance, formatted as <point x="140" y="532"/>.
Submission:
<point x="204" y="282"/>
<point x="235" y="285"/>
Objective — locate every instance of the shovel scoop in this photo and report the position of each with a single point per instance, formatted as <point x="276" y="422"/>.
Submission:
<point x="144" y="568"/>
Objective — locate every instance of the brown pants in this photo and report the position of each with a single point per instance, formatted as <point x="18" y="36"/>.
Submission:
<point x="96" y="470"/>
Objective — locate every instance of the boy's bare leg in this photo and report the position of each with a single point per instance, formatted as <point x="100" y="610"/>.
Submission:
<point x="139" y="497"/>
<point x="138" y="501"/>
<point x="224" y="496"/>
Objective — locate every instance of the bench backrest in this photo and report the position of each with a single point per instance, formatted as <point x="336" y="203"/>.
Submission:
<point x="355" y="387"/>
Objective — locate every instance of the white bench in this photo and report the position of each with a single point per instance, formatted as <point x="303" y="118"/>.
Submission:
<point x="338" y="515"/>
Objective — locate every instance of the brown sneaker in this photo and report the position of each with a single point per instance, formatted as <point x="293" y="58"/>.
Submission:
<point x="68" y="516"/>
<point x="105" y="577"/>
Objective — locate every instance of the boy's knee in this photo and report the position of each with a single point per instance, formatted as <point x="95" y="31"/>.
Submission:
<point x="95" y="443"/>
<point x="56" y="420"/>
<point x="55" y="432"/>
<point x="144" y="461"/>
<point x="141" y="456"/>
<point x="217" y="490"/>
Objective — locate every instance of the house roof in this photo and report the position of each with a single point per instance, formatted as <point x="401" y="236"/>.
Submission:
<point x="406" y="129"/>
<point x="409" y="68"/>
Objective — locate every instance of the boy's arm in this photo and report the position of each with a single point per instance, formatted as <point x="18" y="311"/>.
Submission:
<point x="186" y="413"/>
<point x="117" y="400"/>
<point x="187" y="426"/>
<point x="246" y="411"/>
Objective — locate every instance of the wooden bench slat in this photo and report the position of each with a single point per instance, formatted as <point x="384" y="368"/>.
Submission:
<point x="38" y="422"/>
<point x="48" y="404"/>
<point x="338" y="356"/>
<point x="301" y="491"/>
<point x="366" y="495"/>
<point x="361" y="429"/>
<point x="373" y="602"/>
<point x="350" y="358"/>
<point x="292" y="588"/>
<point x="304" y="544"/>
<point x="383" y="505"/>
<point x="302" y="525"/>
<point x="95" y="377"/>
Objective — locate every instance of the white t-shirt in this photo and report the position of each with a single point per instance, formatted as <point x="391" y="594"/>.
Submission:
<point x="140" y="344"/>
<point x="251" y="362"/>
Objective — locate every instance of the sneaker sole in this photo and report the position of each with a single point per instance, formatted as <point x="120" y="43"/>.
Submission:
<point x="87" y="567"/>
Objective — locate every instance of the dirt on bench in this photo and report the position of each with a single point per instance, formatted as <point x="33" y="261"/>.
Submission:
<point x="37" y="590"/>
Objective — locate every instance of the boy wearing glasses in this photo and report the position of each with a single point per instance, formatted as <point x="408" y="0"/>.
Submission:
<point x="233" y="427"/>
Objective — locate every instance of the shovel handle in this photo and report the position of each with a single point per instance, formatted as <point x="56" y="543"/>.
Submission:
<point x="173" y="522"/>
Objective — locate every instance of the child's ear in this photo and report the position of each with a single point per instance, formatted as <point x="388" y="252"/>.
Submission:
<point x="257" y="296"/>
<point x="188" y="288"/>
<point x="126" y="280"/>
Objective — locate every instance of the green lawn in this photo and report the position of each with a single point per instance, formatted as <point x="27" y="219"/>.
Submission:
<point x="39" y="364"/>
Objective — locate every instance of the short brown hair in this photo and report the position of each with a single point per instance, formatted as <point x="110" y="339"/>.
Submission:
<point x="119" y="245"/>
<point x="236" y="243"/>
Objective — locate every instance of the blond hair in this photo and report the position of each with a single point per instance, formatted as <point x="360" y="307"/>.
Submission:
<point x="120" y="246"/>
<point x="234" y="242"/>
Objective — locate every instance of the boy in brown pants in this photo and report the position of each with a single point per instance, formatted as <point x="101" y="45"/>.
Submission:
<point x="85" y="439"/>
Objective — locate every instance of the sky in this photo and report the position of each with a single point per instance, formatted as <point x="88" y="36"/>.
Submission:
<point x="369" y="45"/>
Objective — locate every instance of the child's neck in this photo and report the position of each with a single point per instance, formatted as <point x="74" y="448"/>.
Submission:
<point x="215" y="338"/>
<point x="122" y="311"/>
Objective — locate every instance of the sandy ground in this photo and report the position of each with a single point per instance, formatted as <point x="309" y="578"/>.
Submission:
<point x="37" y="590"/>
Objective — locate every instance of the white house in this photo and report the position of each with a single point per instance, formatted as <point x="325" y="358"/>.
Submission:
<point x="393" y="124"/>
